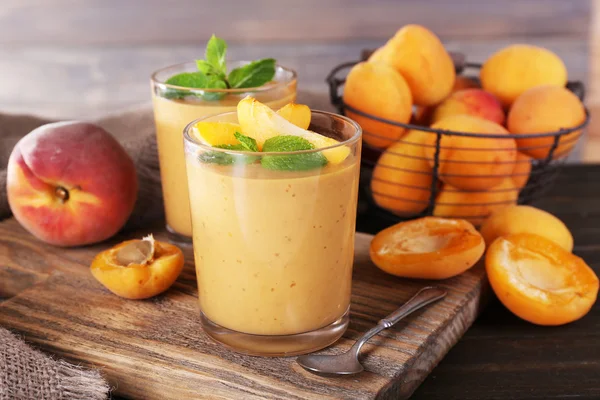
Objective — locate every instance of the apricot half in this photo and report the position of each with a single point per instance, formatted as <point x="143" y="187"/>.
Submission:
<point x="539" y="281"/>
<point x="427" y="248"/>
<point x="138" y="269"/>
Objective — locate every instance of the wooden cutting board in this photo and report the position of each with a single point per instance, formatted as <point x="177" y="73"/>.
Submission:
<point x="155" y="349"/>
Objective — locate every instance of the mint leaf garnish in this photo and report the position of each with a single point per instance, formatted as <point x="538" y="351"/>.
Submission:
<point x="216" y="48"/>
<point x="248" y="143"/>
<point x="212" y="74"/>
<point x="252" y="75"/>
<point x="214" y="82"/>
<point x="292" y="162"/>
<point x="208" y="69"/>
<point x="221" y="158"/>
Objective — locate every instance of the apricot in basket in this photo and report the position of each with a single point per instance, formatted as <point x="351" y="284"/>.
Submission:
<point x="138" y="269"/>
<point x="516" y="68"/>
<point x="475" y="207"/>
<point x="378" y="90"/>
<point x="522" y="170"/>
<point x="545" y="109"/>
<point x="402" y="177"/>
<point x="472" y="163"/>
<point x="539" y="281"/>
<point x="419" y="55"/>
<point x="427" y="248"/>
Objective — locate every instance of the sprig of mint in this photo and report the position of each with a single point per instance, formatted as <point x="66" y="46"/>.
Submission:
<point x="246" y="143"/>
<point x="212" y="73"/>
<point x="291" y="162"/>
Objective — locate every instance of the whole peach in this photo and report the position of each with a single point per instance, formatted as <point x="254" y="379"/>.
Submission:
<point x="476" y="102"/>
<point x="71" y="183"/>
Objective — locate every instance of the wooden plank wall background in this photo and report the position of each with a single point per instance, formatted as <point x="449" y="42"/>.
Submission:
<point x="79" y="58"/>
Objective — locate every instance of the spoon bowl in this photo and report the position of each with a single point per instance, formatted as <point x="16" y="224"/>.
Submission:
<point x="347" y="363"/>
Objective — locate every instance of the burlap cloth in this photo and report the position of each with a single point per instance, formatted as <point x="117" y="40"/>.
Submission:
<point x="26" y="373"/>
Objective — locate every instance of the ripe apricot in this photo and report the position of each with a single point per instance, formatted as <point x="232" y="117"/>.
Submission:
<point x="423" y="114"/>
<point x="138" y="269"/>
<point x="475" y="207"/>
<point x="475" y="102"/>
<point x="379" y="90"/>
<point x="539" y="281"/>
<point x="520" y="174"/>
<point x="472" y="163"/>
<point x="516" y="68"/>
<point x="427" y="248"/>
<point x="401" y="181"/>
<point x="545" y="109"/>
<point x="526" y="219"/>
<point x="419" y="55"/>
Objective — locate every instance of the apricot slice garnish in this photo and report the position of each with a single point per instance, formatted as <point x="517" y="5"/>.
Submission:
<point x="297" y="114"/>
<point x="539" y="281"/>
<point x="216" y="133"/>
<point x="427" y="248"/>
<point x="138" y="269"/>
<point x="261" y="123"/>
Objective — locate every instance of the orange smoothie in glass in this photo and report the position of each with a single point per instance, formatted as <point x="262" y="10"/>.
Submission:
<point x="274" y="242"/>
<point x="172" y="115"/>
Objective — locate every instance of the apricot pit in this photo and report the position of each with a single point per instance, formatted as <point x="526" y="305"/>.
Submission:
<point x="138" y="269"/>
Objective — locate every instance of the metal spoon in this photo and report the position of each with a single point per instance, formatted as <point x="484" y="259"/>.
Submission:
<point x="347" y="363"/>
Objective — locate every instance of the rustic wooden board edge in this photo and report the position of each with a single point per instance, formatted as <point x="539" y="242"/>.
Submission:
<point x="428" y="359"/>
<point x="401" y="385"/>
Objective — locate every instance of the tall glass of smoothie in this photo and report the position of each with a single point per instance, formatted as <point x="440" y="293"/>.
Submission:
<point x="273" y="230"/>
<point x="175" y="106"/>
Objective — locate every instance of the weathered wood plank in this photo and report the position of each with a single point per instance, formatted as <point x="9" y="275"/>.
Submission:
<point x="117" y="22"/>
<point x="156" y="349"/>
<point x="61" y="82"/>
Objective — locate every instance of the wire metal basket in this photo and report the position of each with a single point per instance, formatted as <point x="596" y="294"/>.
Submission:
<point x="436" y="197"/>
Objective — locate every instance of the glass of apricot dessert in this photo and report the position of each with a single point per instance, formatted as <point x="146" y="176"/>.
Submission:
<point x="273" y="209"/>
<point x="184" y="92"/>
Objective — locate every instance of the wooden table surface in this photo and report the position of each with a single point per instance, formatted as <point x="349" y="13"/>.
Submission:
<point x="502" y="357"/>
<point x="76" y="59"/>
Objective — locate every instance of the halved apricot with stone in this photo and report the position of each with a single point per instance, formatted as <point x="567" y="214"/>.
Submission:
<point x="138" y="269"/>
<point x="427" y="248"/>
<point x="539" y="281"/>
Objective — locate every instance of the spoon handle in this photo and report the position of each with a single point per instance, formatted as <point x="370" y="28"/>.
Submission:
<point x="425" y="296"/>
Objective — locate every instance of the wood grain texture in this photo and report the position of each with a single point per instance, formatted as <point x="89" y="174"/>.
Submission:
<point x="76" y="82"/>
<point x="114" y="22"/>
<point x="156" y="349"/>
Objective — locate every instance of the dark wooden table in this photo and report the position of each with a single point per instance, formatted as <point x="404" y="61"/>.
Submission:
<point x="502" y="357"/>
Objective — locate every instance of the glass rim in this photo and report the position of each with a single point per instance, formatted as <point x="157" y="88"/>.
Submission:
<point x="259" y="89"/>
<point x="350" y="141"/>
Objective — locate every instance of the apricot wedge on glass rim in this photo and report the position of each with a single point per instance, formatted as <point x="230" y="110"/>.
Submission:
<point x="427" y="248"/>
<point x="138" y="269"/>
<point x="539" y="281"/>
<point x="261" y="123"/>
<point x="297" y="114"/>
